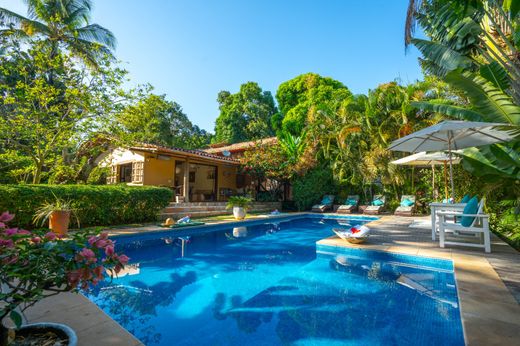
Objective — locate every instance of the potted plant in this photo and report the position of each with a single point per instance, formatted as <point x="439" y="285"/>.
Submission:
<point x="58" y="213"/>
<point x="38" y="264"/>
<point x="240" y="206"/>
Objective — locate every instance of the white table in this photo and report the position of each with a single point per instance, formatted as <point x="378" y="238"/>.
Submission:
<point x="437" y="206"/>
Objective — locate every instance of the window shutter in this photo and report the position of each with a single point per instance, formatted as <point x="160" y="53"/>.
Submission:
<point x="137" y="172"/>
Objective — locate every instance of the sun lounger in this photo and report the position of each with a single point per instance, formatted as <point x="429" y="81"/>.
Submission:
<point x="378" y="204"/>
<point x="407" y="206"/>
<point x="325" y="204"/>
<point x="350" y="205"/>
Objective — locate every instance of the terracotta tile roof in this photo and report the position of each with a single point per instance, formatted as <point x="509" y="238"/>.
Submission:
<point x="241" y="146"/>
<point x="147" y="147"/>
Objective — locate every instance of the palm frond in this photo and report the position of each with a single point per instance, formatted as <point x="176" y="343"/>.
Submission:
<point x="486" y="98"/>
<point x="496" y="74"/>
<point x="8" y="18"/>
<point x="97" y="33"/>
<point x="455" y="112"/>
<point x="442" y="55"/>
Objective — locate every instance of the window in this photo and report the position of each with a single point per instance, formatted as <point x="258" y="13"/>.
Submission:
<point x="125" y="173"/>
<point x="112" y="176"/>
<point x="137" y="172"/>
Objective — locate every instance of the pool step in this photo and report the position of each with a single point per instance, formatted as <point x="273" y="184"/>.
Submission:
<point x="205" y="209"/>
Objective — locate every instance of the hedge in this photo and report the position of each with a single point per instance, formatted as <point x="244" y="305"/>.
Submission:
<point x="95" y="205"/>
<point x="310" y="188"/>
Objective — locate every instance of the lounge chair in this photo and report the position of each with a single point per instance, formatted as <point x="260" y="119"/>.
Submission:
<point x="472" y="221"/>
<point x="350" y="205"/>
<point x="406" y="207"/>
<point x="378" y="204"/>
<point x="325" y="204"/>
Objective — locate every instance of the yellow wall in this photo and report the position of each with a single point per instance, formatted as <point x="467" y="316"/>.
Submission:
<point x="227" y="178"/>
<point x="158" y="171"/>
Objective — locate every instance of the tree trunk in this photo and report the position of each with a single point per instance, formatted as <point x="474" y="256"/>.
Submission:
<point x="37" y="173"/>
<point x="4" y="334"/>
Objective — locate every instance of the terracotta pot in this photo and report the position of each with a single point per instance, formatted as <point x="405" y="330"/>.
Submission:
<point x="59" y="221"/>
<point x="239" y="213"/>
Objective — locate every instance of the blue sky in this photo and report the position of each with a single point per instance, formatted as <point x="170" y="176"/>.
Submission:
<point x="192" y="49"/>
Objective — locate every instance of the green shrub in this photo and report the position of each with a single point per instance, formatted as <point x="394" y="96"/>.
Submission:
<point x="94" y="205"/>
<point x="310" y="188"/>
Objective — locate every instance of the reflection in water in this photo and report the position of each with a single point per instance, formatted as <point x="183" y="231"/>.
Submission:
<point x="240" y="232"/>
<point x="273" y="228"/>
<point x="129" y="269"/>
<point x="422" y="283"/>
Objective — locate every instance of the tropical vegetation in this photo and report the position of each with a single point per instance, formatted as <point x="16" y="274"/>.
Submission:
<point x="40" y="264"/>
<point x="63" y="100"/>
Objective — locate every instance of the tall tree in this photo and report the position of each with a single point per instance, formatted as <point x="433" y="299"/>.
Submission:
<point x="156" y="120"/>
<point x="245" y="115"/>
<point x="299" y="97"/>
<point x="43" y="120"/>
<point x="61" y="24"/>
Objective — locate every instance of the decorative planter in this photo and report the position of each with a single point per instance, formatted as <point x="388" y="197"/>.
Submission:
<point x="239" y="213"/>
<point x="57" y="327"/>
<point x="59" y="221"/>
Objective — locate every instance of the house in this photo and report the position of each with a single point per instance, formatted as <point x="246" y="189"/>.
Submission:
<point x="194" y="175"/>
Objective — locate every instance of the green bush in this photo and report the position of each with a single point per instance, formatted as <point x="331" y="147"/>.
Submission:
<point x="310" y="188"/>
<point x="94" y="205"/>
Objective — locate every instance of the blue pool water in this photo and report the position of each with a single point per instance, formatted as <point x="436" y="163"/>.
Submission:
<point x="269" y="284"/>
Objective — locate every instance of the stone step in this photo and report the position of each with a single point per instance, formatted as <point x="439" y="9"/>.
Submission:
<point x="175" y="209"/>
<point x="193" y="214"/>
<point x="202" y="213"/>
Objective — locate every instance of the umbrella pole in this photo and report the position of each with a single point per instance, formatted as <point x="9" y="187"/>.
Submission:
<point x="446" y="180"/>
<point x="451" y="171"/>
<point x="434" y="195"/>
<point x="413" y="173"/>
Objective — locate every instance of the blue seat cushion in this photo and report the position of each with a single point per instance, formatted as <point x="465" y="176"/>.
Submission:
<point x="350" y="202"/>
<point x="326" y="200"/>
<point x="465" y="199"/>
<point x="470" y="208"/>
<point x="407" y="203"/>
<point x="378" y="202"/>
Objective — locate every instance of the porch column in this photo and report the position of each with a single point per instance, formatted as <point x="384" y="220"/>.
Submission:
<point x="186" y="186"/>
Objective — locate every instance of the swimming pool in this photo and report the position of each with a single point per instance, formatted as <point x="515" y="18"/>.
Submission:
<point x="267" y="283"/>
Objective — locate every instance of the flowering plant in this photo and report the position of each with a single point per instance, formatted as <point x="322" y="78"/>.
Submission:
<point x="38" y="264"/>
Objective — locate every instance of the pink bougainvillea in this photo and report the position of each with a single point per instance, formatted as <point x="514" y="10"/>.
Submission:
<point x="32" y="262"/>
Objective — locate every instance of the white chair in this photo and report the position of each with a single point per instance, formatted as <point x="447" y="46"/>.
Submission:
<point x="479" y="227"/>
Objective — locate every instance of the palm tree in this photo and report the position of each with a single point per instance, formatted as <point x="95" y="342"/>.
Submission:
<point x="61" y="24"/>
<point x="472" y="45"/>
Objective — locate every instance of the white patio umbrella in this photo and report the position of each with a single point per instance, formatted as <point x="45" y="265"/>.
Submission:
<point x="453" y="135"/>
<point x="424" y="159"/>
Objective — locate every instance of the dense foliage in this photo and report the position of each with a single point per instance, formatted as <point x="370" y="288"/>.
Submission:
<point x="44" y="116"/>
<point x="245" y="115"/>
<point x="93" y="205"/>
<point x="308" y="93"/>
<point x="312" y="186"/>
<point x="154" y="119"/>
